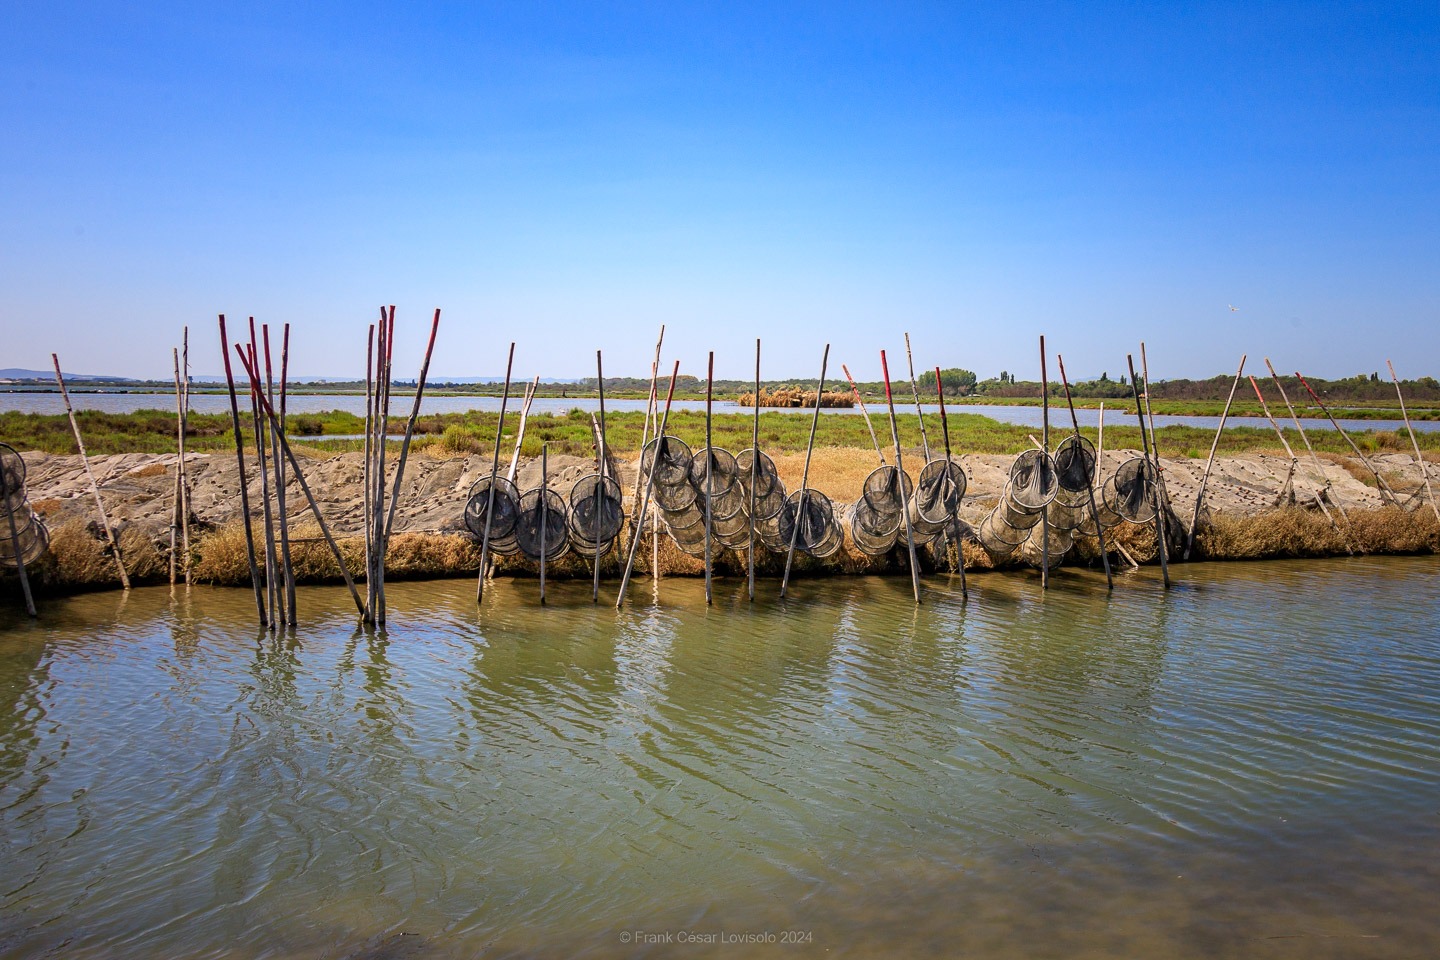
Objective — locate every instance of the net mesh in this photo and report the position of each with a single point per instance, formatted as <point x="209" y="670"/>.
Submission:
<point x="1130" y="493"/>
<point x="596" y="514"/>
<point x="541" y="525"/>
<point x="31" y="538"/>
<point x="503" y="513"/>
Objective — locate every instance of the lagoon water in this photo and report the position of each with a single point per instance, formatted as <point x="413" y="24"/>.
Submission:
<point x="1248" y="765"/>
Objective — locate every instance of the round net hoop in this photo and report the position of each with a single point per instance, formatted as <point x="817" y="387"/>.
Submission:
<point x="1074" y="465"/>
<point x="504" y="514"/>
<point x="1032" y="480"/>
<point x="534" y="505"/>
<point x="595" y="511"/>
<point x="671" y="466"/>
<point x="1133" y="490"/>
<point x="722" y="465"/>
<point x="886" y="490"/>
<point x="767" y="478"/>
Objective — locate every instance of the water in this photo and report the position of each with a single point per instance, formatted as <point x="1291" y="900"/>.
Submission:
<point x="319" y="403"/>
<point x="1247" y="766"/>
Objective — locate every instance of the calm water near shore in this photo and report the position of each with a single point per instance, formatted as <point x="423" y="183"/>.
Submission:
<point x="1248" y="765"/>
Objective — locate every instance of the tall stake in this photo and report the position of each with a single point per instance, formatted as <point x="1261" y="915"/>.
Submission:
<point x="367" y="469"/>
<point x="1419" y="460"/>
<point x="240" y="464"/>
<point x="800" y="502"/>
<point x="637" y="526"/>
<point x="257" y="391"/>
<point x="279" y="465"/>
<point x="601" y="456"/>
<point x="530" y="389"/>
<point x="645" y="435"/>
<point x="1210" y="462"/>
<point x="6" y="495"/>
<point x="1089" y="487"/>
<point x="184" y="468"/>
<point x="1045" y="449"/>
<point x="709" y="481"/>
<point x="945" y="431"/>
<point x="1154" y="445"/>
<point x="180" y="445"/>
<point x="94" y="487"/>
<point x="915" y="388"/>
<point x="1155" y="491"/>
<point x="900" y="479"/>
<point x="1320" y="469"/>
<point x="383" y="428"/>
<point x="494" y="473"/>
<point x="1386" y="492"/>
<point x="544" y="513"/>
<point x="864" y="413"/>
<point x="288" y="568"/>
<point x="754" y="476"/>
<point x="410" y="426"/>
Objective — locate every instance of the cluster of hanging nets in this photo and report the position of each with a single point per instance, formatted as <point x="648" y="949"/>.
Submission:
<point x="542" y="523"/>
<point x="876" y="521"/>
<point x="29" y="538"/>
<point x="1059" y="490"/>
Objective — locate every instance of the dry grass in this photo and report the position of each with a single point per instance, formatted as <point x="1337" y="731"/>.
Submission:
<point x="1297" y="532"/>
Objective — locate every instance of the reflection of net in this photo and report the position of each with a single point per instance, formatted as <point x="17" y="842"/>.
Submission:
<point x="1130" y="493"/>
<point x="31" y="538"/>
<point x="541" y="525"/>
<point x="936" y="502"/>
<point x="504" y="514"/>
<point x="595" y="514"/>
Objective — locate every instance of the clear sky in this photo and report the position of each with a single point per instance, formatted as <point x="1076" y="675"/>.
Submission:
<point x="570" y="175"/>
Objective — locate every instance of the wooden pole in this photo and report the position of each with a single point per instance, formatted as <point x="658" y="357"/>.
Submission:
<point x="1164" y="490"/>
<point x="1295" y="461"/>
<point x="1045" y="450"/>
<point x="184" y="467"/>
<point x="384" y="435"/>
<point x="915" y="388"/>
<point x="805" y="474"/>
<point x="279" y="465"/>
<point x="650" y="408"/>
<point x="494" y="472"/>
<point x="1090" y="486"/>
<point x="754" y="476"/>
<point x="257" y="391"/>
<point x="1419" y="460"/>
<point x="865" y="413"/>
<point x="530" y="389"/>
<point x="1155" y="493"/>
<point x="15" y="548"/>
<point x="179" y="445"/>
<point x="544" y="513"/>
<point x="900" y="480"/>
<point x="638" y="524"/>
<point x="286" y="564"/>
<point x="367" y="469"/>
<point x="410" y="427"/>
<point x="1315" y="458"/>
<point x="94" y="487"/>
<point x="304" y="486"/>
<point x="240" y="463"/>
<point x="1386" y="492"/>
<point x="709" y="479"/>
<point x="1210" y="461"/>
<point x="945" y="431"/>
<point x="600" y="456"/>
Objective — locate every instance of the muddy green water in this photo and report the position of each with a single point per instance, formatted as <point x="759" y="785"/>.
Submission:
<point x="1247" y="766"/>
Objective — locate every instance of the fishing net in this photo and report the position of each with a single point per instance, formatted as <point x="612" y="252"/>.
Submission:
<point x="864" y="524"/>
<point x="596" y="514"/>
<point x="766" y="480"/>
<point x="875" y="519"/>
<point x="1074" y="468"/>
<point x="503" y="514"/>
<point x="12" y="473"/>
<point x="936" y="502"/>
<point x="672" y="464"/>
<point x="1033" y="481"/>
<point x="1014" y="526"/>
<point x="1130" y="493"/>
<point x="541" y="525"/>
<point x="814" y="527"/>
<point x="722" y="469"/>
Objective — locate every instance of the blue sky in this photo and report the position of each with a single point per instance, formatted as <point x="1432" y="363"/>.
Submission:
<point x="571" y="175"/>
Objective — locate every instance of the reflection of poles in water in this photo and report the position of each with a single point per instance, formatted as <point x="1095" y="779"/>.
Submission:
<point x="94" y="487"/>
<point x="915" y="388"/>
<point x="1089" y="484"/>
<point x="900" y="480"/>
<point x="1154" y="490"/>
<point x="754" y="476"/>
<point x="638" y="525"/>
<point x="240" y="464"/>
<point x="945" y="432"/>
<point x="494" y="473"/>
<point x="1210" y="461"/>
<point x="1419" y="460"/>
<point x="800" y="500"/>
<point x="864" y="413"/>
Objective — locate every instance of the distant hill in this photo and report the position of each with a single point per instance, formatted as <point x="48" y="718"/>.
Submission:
<point x="18" y="373"/>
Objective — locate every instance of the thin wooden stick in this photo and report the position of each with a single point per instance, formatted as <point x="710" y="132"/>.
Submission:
<point x="368" y="467"/>
<point x="257" y="391"/>
<point x="1155" y="493"/>
<point x="1210" y="462"/>
<point x="279" y="466"/>
<point x="1090" y="486"/>
<point x="650" y="407"/>
<point x="1324" y="480"/>
<point x="544" y="513"/>
<point x="384" y="435"/>
<point x="900" y="480"/>
<point x="184" y="467"/>
<point x="1419" y="460"/>
<point x="865" y="413"/>
<point x="410" y="427"/>
<point x="94" y="487"/>
<point x="601" y="454"/>
<point x="804" y="475"/>
<point x="287" y="566"/>
<point x="754" y="476"/>
<point x="19" y="553"/>
<point x="180" y="445"/>
<point x="494" y="473"/>
<point x="709" y="480"/>
<point x="945" y="431"/>
<point x="1045" y="449"/>
<point x="530" y="389"/>
<point x="240" y="464"/>
<point x="1386" y="492"/>
<point x="304" y="486"/>
<point x="638" y="525"/>
<point x="1163" y="489"/>
<point x="915" y="388"/>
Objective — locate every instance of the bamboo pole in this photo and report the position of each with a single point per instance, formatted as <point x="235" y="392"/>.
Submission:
<point x="367" y="468"/>
<point x="1090" y="486"/>
<point x="709" y="479"/>
<point x="754" y="477"/>
<point x="184" y="467"/>
<point x="865" y="413"/>
<point x="1163" y="489"/>
<point x="383" y="387"/>
<point x="530" y="389"/>
<point x="945" y="431"/>
<point x="240" y="464"/>
<point x="94" y="487"/>
<point x="279" y="465"/>
<point x="179" y="445"/>
<point x="304" y="486"/>
<point x="15" y="548"/>
<point x="638" y="526"/>
<point x="900" y="479"/>
<point x="494" y="472"/>
<point x="1145" y="443"/>
<point x="650" y="407"/>
<point x="1045" y="450"/>
<point x="804" y="475"/>
<point x="1419" y="460"/>
<point x="410" y="427"/>
<point x="1100" y="434"/>
<point x="286" y="564"/>
<point x="1210" y="461"/>
<point x="601" y="456"/>
<point x="1320" y="469"/>
<point x="915" y="388"/>
<point x="544" y="513"/>
<point x="1386" y="492"/>
<point x="257" y="391"/>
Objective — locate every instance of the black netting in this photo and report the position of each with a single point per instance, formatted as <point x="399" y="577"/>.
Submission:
<point x="595" y="512"/>
<point x="671" y="466"/>
<point x="998" y="539"/>
<point x="502" y="516"/>
<point x="722" y="468"/>
<point x="1075" y="465"/>
<point x="12" y="472"/>
<point x="937" y="499"/>
<point x="31" y="540"/>
<point x="816" y="531"/>
<point x="1131" y="491"/>
<point x="886" y="491"/>
<point x="870" y="533"/>
<point x="541" y="525"/>
<point x="767" y="478"/>
<point x="1032" y="480"/>
<point x="674" y="497"/>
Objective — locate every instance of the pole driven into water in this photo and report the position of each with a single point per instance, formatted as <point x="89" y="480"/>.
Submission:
<point x="1155" y="489"/>
<point x="544" y="513"/>
<point x="1155" y="445"/>
<point x="945" y="432"/>
<point x="1419" y="460"/>
<point x="1090" y="484"/>
<point x="286" y="563"/>
<point x="602" y="454"/>
<point x="282" y="612"/>
<point x="90" y="474"/>
<point x="804" y="474"/>
<point x="1045" y="449"/>
<point x="494" y="474"/>
<point x="638" y="525"/>
<point x="754" y="477"/>
<point x="240" y="464"/>
<point x="900" y="480"/>
<point x="709" y="478"/>
<point x="1210" y="461"/>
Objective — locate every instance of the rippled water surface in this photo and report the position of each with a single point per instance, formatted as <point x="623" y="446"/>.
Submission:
<point x="1247" y="766"/>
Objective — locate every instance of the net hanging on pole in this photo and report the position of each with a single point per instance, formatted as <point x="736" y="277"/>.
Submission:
<point x="504" y="515"/>
<point x="30" y="538"/>
<point x="596" y="515"/>
<point x="540" y="528"/>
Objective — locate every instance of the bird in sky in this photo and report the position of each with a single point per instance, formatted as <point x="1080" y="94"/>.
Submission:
<point x="1233" y="308"/>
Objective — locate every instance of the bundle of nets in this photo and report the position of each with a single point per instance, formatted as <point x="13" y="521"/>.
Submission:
<point x="503" y="509"/>
<point x="29" y="538"/>
<point x="1033" y="484"/>
<point x="596" y="515"/>
<point x="876" y="520"/>
<point x="936" y="501"/>
<point x="541" y="528"/>
<point x="764" y="491"/>
<point x="1075" y="463"/>
<point x="809" y="518"/>
<point x="1130" y="492"/>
